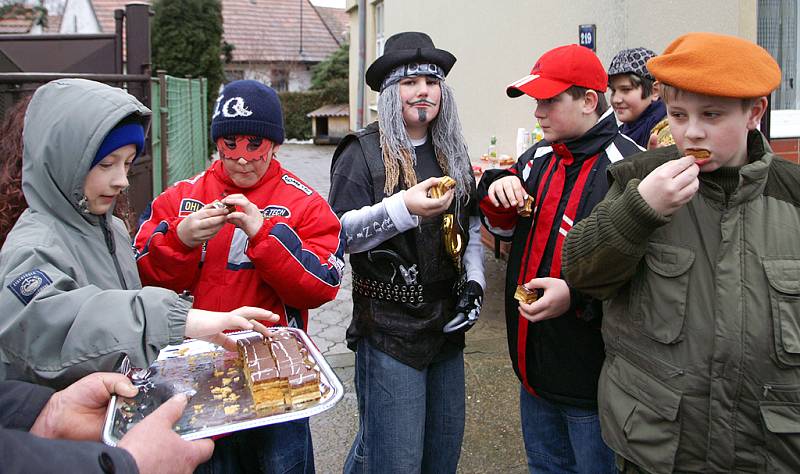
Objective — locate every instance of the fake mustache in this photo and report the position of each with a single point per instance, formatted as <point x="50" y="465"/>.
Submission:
<point x="421" y="101"/>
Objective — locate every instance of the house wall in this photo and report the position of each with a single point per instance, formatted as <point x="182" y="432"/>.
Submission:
<point x="496" y="46"/>
<point x="370" y="56"/>
<point x="79" y="17"/>
<point x="299" y="74"/>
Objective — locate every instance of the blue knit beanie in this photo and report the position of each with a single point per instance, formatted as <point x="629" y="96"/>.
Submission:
<point x="248" y="108"/>
<point x="125" y="133"/>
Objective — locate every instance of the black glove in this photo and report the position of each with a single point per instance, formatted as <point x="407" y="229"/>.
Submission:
<point x="468" y="308"/>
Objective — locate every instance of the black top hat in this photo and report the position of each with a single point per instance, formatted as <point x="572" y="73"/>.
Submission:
<point x="405" y="48"/>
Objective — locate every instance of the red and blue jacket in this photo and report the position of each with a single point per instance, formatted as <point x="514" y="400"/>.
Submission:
<point x="292" y="264"/>
<point x="559" y="358"/>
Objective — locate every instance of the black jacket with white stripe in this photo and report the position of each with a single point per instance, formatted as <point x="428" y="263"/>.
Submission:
<point x="560" y="358"/>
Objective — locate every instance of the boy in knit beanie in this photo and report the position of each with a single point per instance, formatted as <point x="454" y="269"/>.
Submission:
<point x="274" y="245"/>
<point x="695" y="252"/>
<point x="634" y="94"/>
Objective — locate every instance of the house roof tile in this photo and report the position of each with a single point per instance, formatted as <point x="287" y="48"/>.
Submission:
<point x="335" y="110"/>
<point x="18" y="18"/>
<point x="53" y="23"/>
<point x="270" y="30"/>
<point x="15" y="25"/>
<point x="337" y="19"/>
<point x="265" y="30"/>
<point x="104" y="9"/>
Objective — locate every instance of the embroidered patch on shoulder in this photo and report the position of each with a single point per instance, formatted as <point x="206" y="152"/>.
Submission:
<point x="297" y="184"/>
<point x="189" y="206"/>
<point x="27" y="285"/>
<point x="274" y="211"/>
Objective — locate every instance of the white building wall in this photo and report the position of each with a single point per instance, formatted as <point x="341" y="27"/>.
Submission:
<point x="497" y="43"/>
<point x="299" y="75"/>
<point x="79" y="18"/>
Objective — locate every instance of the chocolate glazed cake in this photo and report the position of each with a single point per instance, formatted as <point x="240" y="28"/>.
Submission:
<point x="278" y="370"/>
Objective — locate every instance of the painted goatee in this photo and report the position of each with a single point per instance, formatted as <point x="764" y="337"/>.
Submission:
<point x="422" y="112"/>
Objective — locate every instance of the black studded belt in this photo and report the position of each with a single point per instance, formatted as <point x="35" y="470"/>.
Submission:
<point x="411" y="294"/>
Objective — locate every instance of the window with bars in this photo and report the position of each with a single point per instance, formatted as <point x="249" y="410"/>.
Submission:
<point x="778" y="34"/>
<point x="279" y="80"/>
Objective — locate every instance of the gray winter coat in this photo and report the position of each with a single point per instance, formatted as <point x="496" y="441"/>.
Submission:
<point x="71" y="299"/>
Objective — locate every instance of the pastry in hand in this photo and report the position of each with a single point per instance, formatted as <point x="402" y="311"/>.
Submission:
<point x="445" y="184"/>
<point x="526" y="208"/>
<point x="524" y="295"/>
<point x="662" y="132"/>
<point x="221" y="205"/>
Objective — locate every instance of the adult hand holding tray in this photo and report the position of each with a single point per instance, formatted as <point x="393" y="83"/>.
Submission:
<point x="220" y="401"/>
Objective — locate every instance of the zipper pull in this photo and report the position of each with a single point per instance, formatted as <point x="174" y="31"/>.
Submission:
<point x="767" y="388"/>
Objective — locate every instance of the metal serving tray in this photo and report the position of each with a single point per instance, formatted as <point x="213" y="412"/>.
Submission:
<point x="221" y="402"/>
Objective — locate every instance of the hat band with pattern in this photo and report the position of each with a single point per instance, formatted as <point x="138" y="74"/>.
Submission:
<point x="412" y="70"/>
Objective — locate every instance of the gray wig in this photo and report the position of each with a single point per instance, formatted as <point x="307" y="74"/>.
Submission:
<point x="448" y="142"/>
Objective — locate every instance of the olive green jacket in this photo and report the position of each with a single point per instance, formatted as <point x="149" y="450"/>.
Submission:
<point x="701" y="318"/>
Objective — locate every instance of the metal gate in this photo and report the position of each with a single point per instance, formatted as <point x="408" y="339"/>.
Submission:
<point x="28" y="61"/>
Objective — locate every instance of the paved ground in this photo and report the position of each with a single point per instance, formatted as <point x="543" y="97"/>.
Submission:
<point x="492" y="441"/>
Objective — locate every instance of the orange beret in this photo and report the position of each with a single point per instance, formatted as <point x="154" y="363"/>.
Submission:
<point x="718" y="65"/>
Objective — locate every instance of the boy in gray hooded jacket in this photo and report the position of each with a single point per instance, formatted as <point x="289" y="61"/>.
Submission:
<point x="71" y="295"/>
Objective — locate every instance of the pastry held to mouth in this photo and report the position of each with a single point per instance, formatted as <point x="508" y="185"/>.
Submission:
<point x="698" y="153"/>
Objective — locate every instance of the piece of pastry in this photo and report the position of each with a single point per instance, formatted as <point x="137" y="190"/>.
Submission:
<point x="221" y="205"/>
<point x="526" y="208"/>
<point x="661" y="130"/>
<point x="698" y="153"/>
<point x="524" y="295"/>
<point x="278" y="370"/>
<point x="445" y="184"/>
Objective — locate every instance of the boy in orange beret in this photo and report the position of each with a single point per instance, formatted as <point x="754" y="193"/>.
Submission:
<point x="695" y="252"/>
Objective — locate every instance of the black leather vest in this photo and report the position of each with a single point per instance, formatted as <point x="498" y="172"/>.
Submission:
<point x="409" y="332"/>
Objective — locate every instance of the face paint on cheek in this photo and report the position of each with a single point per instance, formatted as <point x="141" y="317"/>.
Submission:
<point x="243" y="149"/>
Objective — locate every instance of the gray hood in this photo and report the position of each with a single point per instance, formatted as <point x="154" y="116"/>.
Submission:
<point x="58" y="148"/>
<point x="70" y="291"/>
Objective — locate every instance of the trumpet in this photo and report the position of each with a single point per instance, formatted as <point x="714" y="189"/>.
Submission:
<point x="453" y="242"/>
<point x="451" y="237"/>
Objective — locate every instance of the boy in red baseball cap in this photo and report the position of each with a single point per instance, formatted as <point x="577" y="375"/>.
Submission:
<point x="695" y="252"/>
<point x="554" y="342"/>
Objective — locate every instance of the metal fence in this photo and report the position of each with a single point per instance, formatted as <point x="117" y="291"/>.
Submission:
<point x="179" y="129"/>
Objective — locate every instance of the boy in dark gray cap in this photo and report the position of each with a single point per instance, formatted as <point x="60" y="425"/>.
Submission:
<point x="634" y="95"/>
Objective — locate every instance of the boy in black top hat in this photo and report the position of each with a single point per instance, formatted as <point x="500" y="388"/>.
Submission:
<point x="417" y="263"/>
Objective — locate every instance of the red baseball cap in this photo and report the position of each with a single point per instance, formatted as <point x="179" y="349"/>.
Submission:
<point x="559" y="69"/>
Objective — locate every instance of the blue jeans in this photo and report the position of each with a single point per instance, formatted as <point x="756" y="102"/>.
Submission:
<point x="410" y="420"/>
<point x="562" y="438"/>
<point x="284" y="448"/>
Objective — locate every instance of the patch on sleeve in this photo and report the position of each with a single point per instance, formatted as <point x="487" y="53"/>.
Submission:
<point x="297" y="184"/>
<point x="189" y="206"/>
<point x="274" y="211"/>
<point x="27" y="285"/>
